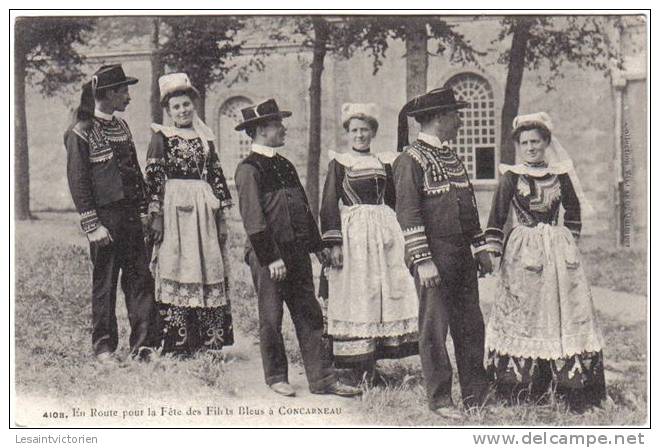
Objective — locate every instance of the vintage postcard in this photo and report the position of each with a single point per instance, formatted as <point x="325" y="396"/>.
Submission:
<point x="452" y="208"/>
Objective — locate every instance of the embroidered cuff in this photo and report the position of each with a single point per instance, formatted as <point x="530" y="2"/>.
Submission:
<point x="417" y="246"/>
<point x="89" y="221"/>
<point x="479" y="242"/>
<point x="494" y="240"/>
<point x="332" y="238"/>
<point x="264" y="248"/>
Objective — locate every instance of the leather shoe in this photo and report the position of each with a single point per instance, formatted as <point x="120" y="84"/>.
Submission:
<point x="339" y="389"/>
<point x="449" y="413"/>
<point x="283" y="388"/>
<point x="106" y="358"/>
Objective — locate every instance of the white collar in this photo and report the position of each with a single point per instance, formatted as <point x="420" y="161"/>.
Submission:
<point x="103" y="115"/>
<point x="264" y="150"/>
<point x="432" y="140"/>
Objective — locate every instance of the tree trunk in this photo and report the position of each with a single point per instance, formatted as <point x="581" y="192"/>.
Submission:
<point x="157" y="70"/>
<point x="514" y="78"/>
<point x="21" y="155"/>
<point x="314" y="153"/>
<point x="417" y="58"/>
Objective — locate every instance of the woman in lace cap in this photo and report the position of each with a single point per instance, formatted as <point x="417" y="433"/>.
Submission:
<point x="188" y="199"/>
<point x="372" y="305"/>
<point x="542" y="336"/>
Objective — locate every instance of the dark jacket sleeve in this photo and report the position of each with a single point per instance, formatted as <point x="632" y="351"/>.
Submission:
<point x="252" y="214"/>
<point x="155" y="172"/>
<point x="390" y="190"/>
<point x="315" y="242"/>
<point x="408" y="183"/>
<point x="142" y="194"/>
<point x="571" y="204"/>
<point x="216" y="178"/>
<point x="499" y="212"/>
<point x="330" y="215"/>
<point x="79" y="176"/>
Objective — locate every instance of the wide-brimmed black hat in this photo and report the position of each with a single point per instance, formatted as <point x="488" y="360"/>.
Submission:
<point x="111" y="76"/>
<point x="261" y="112"/>
<point x="436" y="100"/>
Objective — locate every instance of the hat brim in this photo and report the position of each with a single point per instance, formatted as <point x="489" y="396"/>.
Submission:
<point x="455" y="106"/>
<point x="254" y="121"/>
<point x="129" y="81"/>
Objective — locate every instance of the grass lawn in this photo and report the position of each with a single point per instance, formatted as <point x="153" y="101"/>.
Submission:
<point x="53" y="353"/>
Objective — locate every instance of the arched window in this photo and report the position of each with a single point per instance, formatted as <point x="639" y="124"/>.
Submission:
<point x="475" y="143"/>
<point x="233" y="146"/>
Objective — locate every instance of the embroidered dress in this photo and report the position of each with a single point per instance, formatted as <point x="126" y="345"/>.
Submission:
<point x="188" y="188"/>
<point x="542" y="332"/>
<point x="372" y="305"/>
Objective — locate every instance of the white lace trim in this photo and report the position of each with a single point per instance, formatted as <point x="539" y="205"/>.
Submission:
<point x="544" y="349"/>
<point x="345" y="329"/>
<point x="192" y="295"/>
<point x="556" y="168"/>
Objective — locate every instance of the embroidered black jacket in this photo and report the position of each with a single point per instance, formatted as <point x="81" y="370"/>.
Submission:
<point x="434" y="199"/>
<point x="102" y="168"/>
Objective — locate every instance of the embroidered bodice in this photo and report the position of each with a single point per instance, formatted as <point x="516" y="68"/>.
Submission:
<point x="536" y="194"/>
<point x="182" y="157"/>
<point x="354" y="180"/>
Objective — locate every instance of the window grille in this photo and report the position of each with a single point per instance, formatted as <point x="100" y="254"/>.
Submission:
<point x="475" y="143"/>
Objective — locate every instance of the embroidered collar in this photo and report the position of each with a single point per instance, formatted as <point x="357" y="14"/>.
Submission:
<point x="349" y="160"/>
<point x="432" y="140"/>
<point x="173" y="131"/>
<point x="264" y="150"/>
<point x="537" y="171"/>
<point x="103" y="115"/>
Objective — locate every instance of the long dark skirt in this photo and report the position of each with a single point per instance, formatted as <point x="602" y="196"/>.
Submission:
<point x="187" y="330"/>
<point x="348" y="353"/>
<point x="578" y="380"/>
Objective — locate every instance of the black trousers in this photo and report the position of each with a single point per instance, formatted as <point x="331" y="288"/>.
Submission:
<point x="454" y="305"/>
<point x="126" y="253"/>
<point x="297" y="291"/>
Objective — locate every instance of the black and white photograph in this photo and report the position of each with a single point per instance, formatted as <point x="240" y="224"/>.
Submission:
<point x="286" y="219"/>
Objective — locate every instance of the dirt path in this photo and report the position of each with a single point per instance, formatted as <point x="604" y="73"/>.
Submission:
<point x="251" y="403"/>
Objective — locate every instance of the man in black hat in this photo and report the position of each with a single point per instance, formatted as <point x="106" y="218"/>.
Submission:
<point x="108" y="191"/>
<point x="437" y="210"/>
<point x="281" y="234"/>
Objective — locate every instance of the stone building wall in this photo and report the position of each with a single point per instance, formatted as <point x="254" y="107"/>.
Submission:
<point x="582" y="106"/>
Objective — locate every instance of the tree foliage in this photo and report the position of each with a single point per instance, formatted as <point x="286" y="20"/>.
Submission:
<point x="371" y="34"/>
<point x="49" y="47"/>
<point x="201" y="46"/>
<point x="553" y="41"/>
<point x="45" y="54"/>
